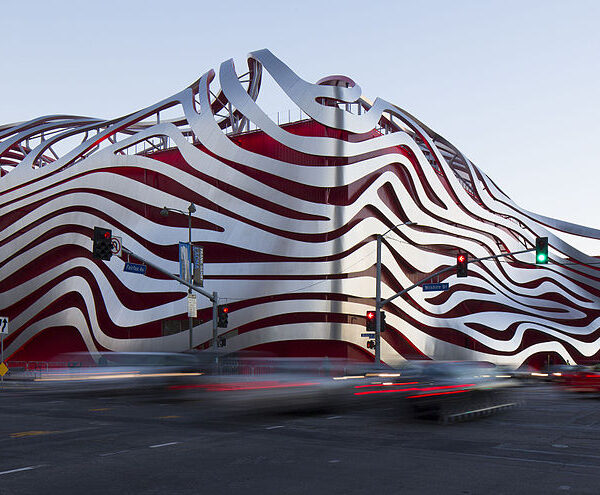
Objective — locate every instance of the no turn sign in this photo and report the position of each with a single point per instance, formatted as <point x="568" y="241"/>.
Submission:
<point x="116" y="245"/>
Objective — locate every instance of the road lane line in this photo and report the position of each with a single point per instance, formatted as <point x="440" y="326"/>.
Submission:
<point x="564" y="454"/>
<point x="31" y="433"/>
<point x="272" y="427"/>
<point x="524" y="459"/>
<point x="28" y="468"/>
<point x="163" y="445"/>
<point x="114" y="453"/>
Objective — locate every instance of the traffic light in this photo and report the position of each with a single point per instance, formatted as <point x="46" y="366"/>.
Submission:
<point x="541" y="250"/>
<point x="223" y="313"/>
<point x="461" y="265"/>
<point x="382" y="323"/>
<point x="370" y="344"/>
<point x="370" y="321"/>
<point x="102" y="243"/>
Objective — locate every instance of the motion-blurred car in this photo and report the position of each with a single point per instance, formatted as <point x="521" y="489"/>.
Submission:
<point x="122" y="371"/>
<point x="579" y="378"/>
<point x="446" y="391"/>
<point x="245" y="384"/>
<point x="453" y="391"/>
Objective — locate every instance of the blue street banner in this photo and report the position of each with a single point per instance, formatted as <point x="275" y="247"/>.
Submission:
<point x="185" y="261"/>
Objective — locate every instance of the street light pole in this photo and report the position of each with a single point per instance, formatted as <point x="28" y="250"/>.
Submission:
<point x="378" y="294"/>
<point x="191" y="209"/>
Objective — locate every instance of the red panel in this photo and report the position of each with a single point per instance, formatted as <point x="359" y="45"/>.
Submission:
<point x="50" y="344"/>
<point x="315" y="349"/>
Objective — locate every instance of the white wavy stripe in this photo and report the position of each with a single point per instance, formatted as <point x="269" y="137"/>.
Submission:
<point x="274" y="308"/>
<point x="264" y="268"/>
<point x="290" y="269"/>
<point x="523" y="216"/>
<point x="298" y="222"/>
<point x="123" y="317"/>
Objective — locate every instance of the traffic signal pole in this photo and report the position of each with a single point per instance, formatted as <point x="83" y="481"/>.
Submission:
<point x="190" y="318"/>
<point x="214" y="297"/>
<point x="380" y="304"/>
<point x="215" y="301"/>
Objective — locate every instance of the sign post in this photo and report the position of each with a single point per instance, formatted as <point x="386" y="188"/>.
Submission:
<point x="3" y="330"/>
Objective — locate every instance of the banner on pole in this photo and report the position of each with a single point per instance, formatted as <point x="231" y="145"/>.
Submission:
<point x="199" y="266"/>
<point x="185" y="261"/>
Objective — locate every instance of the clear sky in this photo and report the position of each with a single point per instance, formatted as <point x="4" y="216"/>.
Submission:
<point x="513" y="84"/>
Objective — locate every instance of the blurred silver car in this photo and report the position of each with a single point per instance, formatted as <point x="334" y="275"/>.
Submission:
<point x="121" y="371"/>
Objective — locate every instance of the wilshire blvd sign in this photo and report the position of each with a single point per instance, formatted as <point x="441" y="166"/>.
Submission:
<point x="434" y="287"/>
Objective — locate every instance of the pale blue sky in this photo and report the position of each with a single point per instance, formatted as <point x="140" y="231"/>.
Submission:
<point x="513" y="84"/>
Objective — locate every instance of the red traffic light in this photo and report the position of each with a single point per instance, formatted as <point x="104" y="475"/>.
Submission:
<point x="222" y="316"/>
<point x="461" y="265"/>
<point x="102" y="243"/>
<point x="370" y="315"/>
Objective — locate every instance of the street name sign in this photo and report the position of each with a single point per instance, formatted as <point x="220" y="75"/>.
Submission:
<point x="135" y="268"/>
<point x="370" y="335"/>
<point x="434" y="287"/>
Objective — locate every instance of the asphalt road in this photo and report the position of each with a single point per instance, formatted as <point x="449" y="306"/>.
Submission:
<point x="53" y="444"/>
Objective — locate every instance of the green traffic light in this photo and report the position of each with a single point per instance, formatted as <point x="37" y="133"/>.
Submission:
<point x="541" y="250"/>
